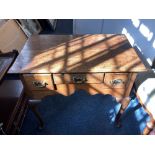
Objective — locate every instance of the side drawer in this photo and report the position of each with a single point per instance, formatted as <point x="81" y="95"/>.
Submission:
<point x="78" y="78"/>
<point x="116" y="80"/>
<point x="38" y="81"/>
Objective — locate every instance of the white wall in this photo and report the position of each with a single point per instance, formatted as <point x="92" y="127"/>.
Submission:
<point x="141" y="33"/>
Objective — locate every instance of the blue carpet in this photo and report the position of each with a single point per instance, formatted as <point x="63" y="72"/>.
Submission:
<point x="85" y="114"/>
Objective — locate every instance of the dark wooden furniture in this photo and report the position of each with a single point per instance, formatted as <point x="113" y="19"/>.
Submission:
<point x="6" y="60"/>
<point x="13" y="103"/>
<point x="13" y="106"/>
<point x="104" y="63"/>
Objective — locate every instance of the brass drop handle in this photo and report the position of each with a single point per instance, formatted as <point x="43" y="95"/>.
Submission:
<point x="39" y="84"/>
<point x="79" y="79"/>
<point x="117" y="81"/>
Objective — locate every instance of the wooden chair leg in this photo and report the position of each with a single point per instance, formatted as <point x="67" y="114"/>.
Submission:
<point x="34" y="107"/>
<point x="149" y="127"/>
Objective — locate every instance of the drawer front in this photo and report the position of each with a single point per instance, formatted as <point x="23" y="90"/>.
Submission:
<point x="116" y="80"/>
<point x="78" y="78"/>
<point x="38" y="81"/>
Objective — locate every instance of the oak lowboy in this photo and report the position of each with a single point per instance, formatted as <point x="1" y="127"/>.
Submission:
<point x="102" y="63"/>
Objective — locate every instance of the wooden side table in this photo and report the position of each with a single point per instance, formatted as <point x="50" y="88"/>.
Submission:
<point x="103" y="63"/>
<point x="13" y="106"/>
<point x="12" y="98"/>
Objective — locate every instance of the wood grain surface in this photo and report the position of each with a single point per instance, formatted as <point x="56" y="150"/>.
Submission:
<point x="77" y="54"/>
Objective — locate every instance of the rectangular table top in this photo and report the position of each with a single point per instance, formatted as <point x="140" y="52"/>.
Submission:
<point x="77" y="54"/>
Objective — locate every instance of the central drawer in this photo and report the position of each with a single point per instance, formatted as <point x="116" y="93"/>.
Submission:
<point x="78" y="78"/>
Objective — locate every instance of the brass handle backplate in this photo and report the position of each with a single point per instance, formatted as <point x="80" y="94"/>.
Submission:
<point x="79" y="78"/>
<point x="39" y="84"/>
<point x="117" y="82"/>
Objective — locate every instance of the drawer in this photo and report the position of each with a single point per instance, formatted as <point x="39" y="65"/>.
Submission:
<point x="78" y="78"/>
<point x="116" y="80"/>
<point x="38" y="81"/>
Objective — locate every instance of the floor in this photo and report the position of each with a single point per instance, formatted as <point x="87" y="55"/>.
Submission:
<point x="85" y="114"/>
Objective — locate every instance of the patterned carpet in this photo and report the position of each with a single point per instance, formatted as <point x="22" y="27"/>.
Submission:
<point x="85" y="114"/>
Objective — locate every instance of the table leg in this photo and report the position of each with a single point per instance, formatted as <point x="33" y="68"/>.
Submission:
<point x="126" y="99"/>
<point x="34" y="107"/>
<point x="124" y="103"/>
